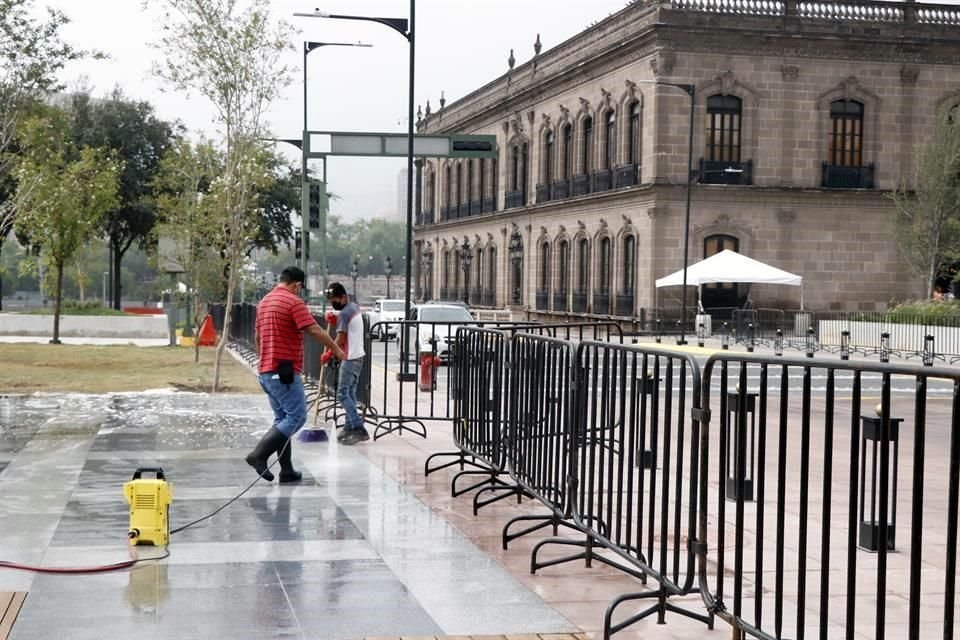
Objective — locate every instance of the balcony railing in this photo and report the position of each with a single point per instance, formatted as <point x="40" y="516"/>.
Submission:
<point x="475" y="207"/>
<point x="427" y="217"/>
<point x="580" y="302"/>
<point x="560" y="300"/>
<point x="543" y="193"/>
<point x="489" y="205"/>
<point x="837" y="177"/>
<point x="513" y="199"/>
<point x="581" y="185"/>
<point x="603" y="180"/>
<point x="722" y="172"/>
<point x="489" y="297"/>
<point x="444" y="293"/>
<point x="543" y="300"/>
<point x="476" y="296"/>
<point x="625" y="305"/>
<point x="561" y="189"/>
<point x="628" y="175"/>
<point x="444" y="213"/>
<point x="601" y="302"/>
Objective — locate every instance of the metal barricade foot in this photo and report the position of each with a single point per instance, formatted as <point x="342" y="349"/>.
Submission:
<point x="460" y="458"/>
<point x="542" y="522"/>
<point x="398" y="425"/>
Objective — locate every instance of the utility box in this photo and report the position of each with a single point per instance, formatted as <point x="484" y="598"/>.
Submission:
<point x="149" y="500"/>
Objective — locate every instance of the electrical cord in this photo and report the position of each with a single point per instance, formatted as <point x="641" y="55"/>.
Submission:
<point x="133" y="561"/>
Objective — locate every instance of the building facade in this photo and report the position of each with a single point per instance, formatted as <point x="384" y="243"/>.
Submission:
<point x="804" y="117"/>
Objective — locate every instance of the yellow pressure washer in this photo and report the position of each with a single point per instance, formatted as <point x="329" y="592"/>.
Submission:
<point x="149" y="500"/>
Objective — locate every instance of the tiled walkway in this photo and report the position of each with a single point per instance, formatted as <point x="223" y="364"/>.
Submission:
<point x="349" y="553"/>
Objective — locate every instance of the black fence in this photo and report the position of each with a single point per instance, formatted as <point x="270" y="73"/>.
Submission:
<point x="771" y="486"/>
<point x="858" y="332"/>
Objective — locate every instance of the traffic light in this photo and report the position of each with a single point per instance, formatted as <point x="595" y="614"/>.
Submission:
<point x="314" y="206"/>
<point x="298" y="245"/>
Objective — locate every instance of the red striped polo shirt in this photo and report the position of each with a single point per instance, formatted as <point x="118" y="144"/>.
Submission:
<point x="281" y="318"/>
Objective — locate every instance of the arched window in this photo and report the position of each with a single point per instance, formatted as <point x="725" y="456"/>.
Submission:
<point x="478" y="271"/>
<point x="524" y="171"/>
<point x="431" y="191"/>
<point x="567" y="151"/>
<point x="605" y="255"/>
<point x="459" y="188"/>
<point x="587" y="159"/>
<point x="445" y="274"/>
<point x="495" y="181"/>
<point x="610" y="141"/>
<point x="723" y="128"/>
<point x="447" y="186"/>
<point x="514" y="168"/>
<point x="483" y="184"/>
<point x="846" y="133"/>
<point x="560" y="297"/>
<point x="491" y="292"/>
<point x="545" y="267"/>
<point x="629" y="263"/>
<point x="633" y="141"/>
<point x="563" y="267"/>
<point x="548" y="167"/>
<point x="470" y="210"/>
<point x="583" y="265"/>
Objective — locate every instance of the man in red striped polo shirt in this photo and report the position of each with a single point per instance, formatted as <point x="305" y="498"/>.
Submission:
<point x="282" y="318"/>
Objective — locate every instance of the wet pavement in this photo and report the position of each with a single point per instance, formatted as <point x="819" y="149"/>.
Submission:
<point x="347" y="553"/>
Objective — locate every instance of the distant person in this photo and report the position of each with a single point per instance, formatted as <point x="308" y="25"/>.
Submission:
<point x="351" y="338"/>
<point x="282" y="318"/>
<point x="937" y="294"/>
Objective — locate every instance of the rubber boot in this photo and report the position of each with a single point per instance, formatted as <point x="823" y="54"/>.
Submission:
<point x="287" y="472"/>
<point x="271" y="441"/>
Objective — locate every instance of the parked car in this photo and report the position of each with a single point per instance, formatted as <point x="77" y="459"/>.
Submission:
<point x="385" y="310"/>
<point x="450" y="316"/>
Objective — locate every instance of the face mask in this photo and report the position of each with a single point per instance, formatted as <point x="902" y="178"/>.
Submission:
<point x="337" y="304"/>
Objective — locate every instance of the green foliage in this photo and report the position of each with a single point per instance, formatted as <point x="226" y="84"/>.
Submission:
<point x="138" y="139"/>
<point x="63" y="192"/>
<point x="365" y="238"/>
<point x="231" y="56"/>
<point x="928" y="216"/>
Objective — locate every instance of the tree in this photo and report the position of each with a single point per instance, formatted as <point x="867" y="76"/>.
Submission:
<point x="928" y="216"/>
<point x="279" y="202"/>
<point x="232" y="57"/>
<point x="63" y="193"/>
<point x="184" y="234"/>
<point x="139" y="139"/>
<point x="31" y="54"/>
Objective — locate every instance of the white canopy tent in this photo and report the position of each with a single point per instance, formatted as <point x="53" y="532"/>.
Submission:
<point x="730" y="266"/>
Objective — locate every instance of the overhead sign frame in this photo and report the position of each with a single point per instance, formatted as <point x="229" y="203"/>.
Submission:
<point x="321" y="144"/>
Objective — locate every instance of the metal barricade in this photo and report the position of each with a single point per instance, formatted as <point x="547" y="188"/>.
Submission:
<point x="823" y="516"/>
<point x="636" y="473"/>
<point x="540" y="435"/>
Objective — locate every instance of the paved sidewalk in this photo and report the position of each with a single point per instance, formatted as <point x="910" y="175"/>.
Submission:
<point x="349" y="553"/>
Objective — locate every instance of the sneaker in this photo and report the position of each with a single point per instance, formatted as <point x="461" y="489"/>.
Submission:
<point x="353" y="436"/>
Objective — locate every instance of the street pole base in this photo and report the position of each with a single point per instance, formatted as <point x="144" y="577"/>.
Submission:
<point x="55" y="341"/>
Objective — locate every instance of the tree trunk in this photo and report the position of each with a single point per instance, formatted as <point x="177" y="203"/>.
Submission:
<point x="222" y="345"/>
<point x="117" y="257"/>
<point x="1" y="275"/>
<point x="56" y="304"/>
<point x="193" y="323"/>
<point x="108" y="303"/>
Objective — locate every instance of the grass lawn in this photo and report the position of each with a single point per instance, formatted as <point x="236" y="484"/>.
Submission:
<point x="25" y="368"/>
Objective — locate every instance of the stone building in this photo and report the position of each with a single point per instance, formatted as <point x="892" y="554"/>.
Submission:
<point x="805" y="115"/>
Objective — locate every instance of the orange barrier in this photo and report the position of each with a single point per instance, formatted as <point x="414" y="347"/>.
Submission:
<point x="208" y="335"/>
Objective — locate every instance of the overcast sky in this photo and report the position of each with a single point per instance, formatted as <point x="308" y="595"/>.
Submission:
<point x="460" y="45"/>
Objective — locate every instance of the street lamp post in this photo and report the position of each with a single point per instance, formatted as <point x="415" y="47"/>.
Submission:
<point x="354" y="273"/>
<point x="388" y="269"/>
<point x="405" y="28"/>
<point x="308" y="47"/>
<point x="466" y="257"/>
<point x="103" y="301"/>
